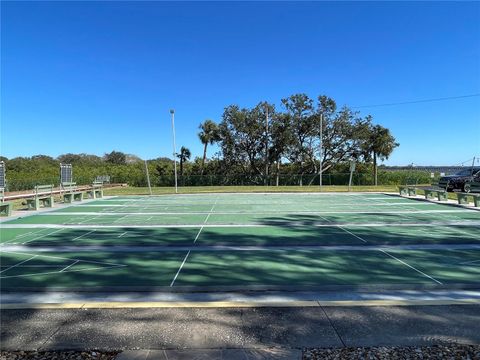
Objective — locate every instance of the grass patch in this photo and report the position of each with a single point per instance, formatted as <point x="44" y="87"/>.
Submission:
<point x="241" y="189"/>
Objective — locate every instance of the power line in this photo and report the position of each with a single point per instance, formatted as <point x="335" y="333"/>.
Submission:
<point x="469" y="161"/>
<point x="418" y="101"/>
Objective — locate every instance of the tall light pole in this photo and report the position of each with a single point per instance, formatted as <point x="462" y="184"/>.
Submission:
<point x="320" y="172"/>
<point x="266" y="145"/>
<point x="148" y="178"/>
<point x="172" y="112"/>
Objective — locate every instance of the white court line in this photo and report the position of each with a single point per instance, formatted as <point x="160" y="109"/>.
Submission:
<point x="196" y="237"/>
<point x="469" y="223"/>
<point x="40" y="237"/>
<point x="20" y="263"/>
<point x="63" y="258"/>
<point x="469" y="262"/>
<point x="411" y="267"/>
<point x="34" y="266"/>
<point x="366" y="212"/>
<point x="22" y="235"/>
<point x="401" y="214"/>
<point x="358" y="237"/>
<point x="205" y="221"/>
<point x="394" y="257"/>
<point x="153" y="206"/>
<point x="16" y="238"/>
<point x="87" y="219"/>
<point x="56" y="272"/>
<point x="180" y="268"/>
<point x="121" y="217"/>
<point x="252" y="248"/>
<point x="69" y="266"/>
<point x="79" y="237"/>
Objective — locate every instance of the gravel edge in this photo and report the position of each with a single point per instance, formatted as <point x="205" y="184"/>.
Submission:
<point x="450" y="351"/>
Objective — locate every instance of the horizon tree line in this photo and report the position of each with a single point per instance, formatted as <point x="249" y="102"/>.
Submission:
<point x="262" y="141"/>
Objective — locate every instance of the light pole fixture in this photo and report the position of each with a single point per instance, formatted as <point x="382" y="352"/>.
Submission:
<point x="172" y="112"/>
<point x="266" y="145"/>
<point x="320" y="172"/>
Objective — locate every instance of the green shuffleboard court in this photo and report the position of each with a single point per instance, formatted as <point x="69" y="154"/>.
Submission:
<point x="242" y="241"/>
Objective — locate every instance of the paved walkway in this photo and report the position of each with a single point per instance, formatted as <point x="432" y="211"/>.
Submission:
<point x="282" y="329"/>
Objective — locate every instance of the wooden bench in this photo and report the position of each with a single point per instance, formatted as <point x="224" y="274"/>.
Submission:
<point x="440" y="194"/>
<point x="96" y="191"/>
<point x="5" y="206"/>
<point x="71" y="192"/>
<point x="43" y="197"/>
<point x="463" y="198"/>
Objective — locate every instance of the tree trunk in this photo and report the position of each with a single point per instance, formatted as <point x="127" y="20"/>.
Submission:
<point x="181" y="167"/>
<point x="375" y="174"/>
<point x="204" y="157"/>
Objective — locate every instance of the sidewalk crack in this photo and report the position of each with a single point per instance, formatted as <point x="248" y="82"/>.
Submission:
<point x="332" y="325"/>
<point x="41" y="347"/>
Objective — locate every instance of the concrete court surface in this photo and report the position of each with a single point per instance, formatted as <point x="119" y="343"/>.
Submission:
<point x="213" y="329"/>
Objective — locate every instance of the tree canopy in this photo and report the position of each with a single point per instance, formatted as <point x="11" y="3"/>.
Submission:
<point x="254" y="142"/>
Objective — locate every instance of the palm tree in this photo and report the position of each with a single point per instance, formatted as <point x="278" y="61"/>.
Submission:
<point x="208" y="135"/>
<point x="380" y="144"/>
<point x="183" y="156"/>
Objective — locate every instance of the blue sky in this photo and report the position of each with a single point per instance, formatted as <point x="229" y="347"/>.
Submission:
<point x="114" y="69"/>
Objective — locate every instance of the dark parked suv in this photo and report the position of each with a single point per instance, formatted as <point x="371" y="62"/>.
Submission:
<point x="457" y="181"/>
<point x="473" y="185"/>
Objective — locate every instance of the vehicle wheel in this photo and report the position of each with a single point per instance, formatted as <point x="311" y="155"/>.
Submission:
<point x="467" y="188"/>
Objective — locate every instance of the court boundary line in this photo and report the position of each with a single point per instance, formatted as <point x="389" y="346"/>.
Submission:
<point x="61" y="258"/>
<point x="42" y="236"/>
<point x="69" y="266"/>
<point x="386" y="253"/>
<point x="16" y="238"/>
<point x="180" y="268"/>
<point x="399" y="260"/>
<point x="18" y="264"/>
<point x="57" y="272"/>
<point x="464" y="223"/>
<point x="172" y="205"/>
<point x="240" y="248"/>
<point x="158" y="213"/>
<point x="81" y="236"/>
<point x="194" y="241"/>
<point x="412" y="267"/>
<point x="110" y="265"/>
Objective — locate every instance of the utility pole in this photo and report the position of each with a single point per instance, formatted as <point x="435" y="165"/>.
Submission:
<point x="172" y="112"/>
<point x="320" y="172"/>
<point x="266" y="146"/>
<point x="148" y="178"/>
